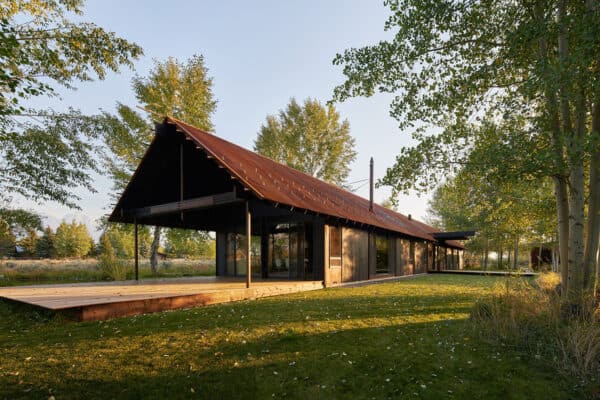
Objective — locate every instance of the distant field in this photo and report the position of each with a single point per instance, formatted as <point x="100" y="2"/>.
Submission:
<point x="410" y="339"/>
<point x="47" y="271"/>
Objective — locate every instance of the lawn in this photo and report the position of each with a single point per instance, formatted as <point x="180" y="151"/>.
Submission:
<point x="408" y="339"/>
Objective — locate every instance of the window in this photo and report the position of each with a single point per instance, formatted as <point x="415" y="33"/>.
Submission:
<point x="335" y="246"/>
<point x="382" y="255"/>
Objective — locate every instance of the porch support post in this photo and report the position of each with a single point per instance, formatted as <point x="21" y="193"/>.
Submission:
<point x="135" y="250"/>
<point x="248" y="245"/>
<point x="264" y="249"/>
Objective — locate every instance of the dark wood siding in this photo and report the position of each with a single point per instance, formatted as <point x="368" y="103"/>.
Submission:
<point x="355" y="255"/>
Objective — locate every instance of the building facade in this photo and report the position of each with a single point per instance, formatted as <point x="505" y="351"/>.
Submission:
<point x="271" y="219"/>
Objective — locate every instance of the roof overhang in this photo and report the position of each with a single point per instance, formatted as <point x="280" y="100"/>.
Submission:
<point x="458" y="235"/>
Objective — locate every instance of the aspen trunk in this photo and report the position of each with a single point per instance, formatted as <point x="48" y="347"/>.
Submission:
<point x="500" y="257"/>
<point x="575" y="145"/>
<point x="593" y="222"/>
<point x="154" y="250"/>
<point x="559" y="178"/>
<point x="516" y="261"/>
<point x="487" y="251"/>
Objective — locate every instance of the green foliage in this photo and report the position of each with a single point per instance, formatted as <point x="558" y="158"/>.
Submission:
<point x="7" y="240"/>
<point x="189" y="243"/>
<point x="181" y="90"/>
<point x="40" y="50"/>
<point x="451" y="64"/>
<point x="309" y="138"/>
<point x="20" y="221"/>
<point x="72" y="240"/>
<point x="121" y="237"/>
<point x="40" y="47"/>
<point x="47" y="159"/>
<point x="18" y="227"/>
<point x="29" y="243"/>
<point x="109" y="264"/>
<point x="45" y="245"/>
<point x="529" y="67"/>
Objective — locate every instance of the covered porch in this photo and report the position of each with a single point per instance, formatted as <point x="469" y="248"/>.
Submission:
<point x="179" y="184"/>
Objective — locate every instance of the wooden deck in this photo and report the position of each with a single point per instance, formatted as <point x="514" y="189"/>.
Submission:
<point x="100" y="301"/>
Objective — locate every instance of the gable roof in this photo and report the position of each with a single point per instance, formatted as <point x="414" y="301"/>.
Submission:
<point x="272" y="181"/>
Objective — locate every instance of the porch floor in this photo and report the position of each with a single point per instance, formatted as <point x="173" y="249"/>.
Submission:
<point x="104" y="300"/>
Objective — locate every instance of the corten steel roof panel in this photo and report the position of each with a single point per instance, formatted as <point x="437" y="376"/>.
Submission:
<point x="276" y="182"/>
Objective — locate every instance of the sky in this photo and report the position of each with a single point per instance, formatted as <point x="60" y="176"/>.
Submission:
<point x="260" y="54"/>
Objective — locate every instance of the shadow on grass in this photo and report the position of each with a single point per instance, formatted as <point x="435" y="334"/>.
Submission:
<point x="44" y="325"/>
<point x="17" y="312"/>
<point x="275" y="348"/>
<point x="431" y="359"/>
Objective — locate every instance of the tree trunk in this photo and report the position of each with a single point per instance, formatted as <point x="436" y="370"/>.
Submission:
<point x="516" y="261"/>
<point x="487" y="251"/>
<point x="559" y="176"/>
<point x="575" y="145"/>
<point x="593" y="222"/>
<point x="500" y="256"/>
<point x="154" y="250"/>
<point x="508" y="258"/>
<point x="573" y="242"/>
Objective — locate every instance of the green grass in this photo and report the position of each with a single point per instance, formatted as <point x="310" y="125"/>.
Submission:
<point x="409" y="339"/>
<point x="38" y="272"/>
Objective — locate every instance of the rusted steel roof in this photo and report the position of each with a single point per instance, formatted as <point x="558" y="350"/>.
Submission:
<point x="276" y="182"/>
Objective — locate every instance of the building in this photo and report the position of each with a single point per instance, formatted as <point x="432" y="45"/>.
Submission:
<point x="300" y="227"/>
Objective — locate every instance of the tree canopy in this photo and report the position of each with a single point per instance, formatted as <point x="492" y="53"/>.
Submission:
<point x="45" y="154"/>
<point x="72" y="240"/>
<point x="530" y="67"/>
<point x="310" y="138"/>
<point x="179" y="89"/>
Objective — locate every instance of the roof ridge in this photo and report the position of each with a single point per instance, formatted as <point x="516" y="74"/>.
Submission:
<point x="177" y="121"/>
<point x="349" y="205"/>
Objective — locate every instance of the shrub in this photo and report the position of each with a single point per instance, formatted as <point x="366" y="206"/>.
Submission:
<point x="527" y="315"/>
<point x="110" y="266"/>
<point x="580" y="349"/>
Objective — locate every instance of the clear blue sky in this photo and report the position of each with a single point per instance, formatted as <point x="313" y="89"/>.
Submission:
<point x="260" y="54"/>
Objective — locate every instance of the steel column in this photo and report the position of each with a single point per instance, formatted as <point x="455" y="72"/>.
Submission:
<point x="135" y="250"/>
<point x="248" y="245"/>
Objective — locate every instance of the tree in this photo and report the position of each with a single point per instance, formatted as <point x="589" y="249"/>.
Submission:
<point x="44" y="154"/>
<point x="72" y="240"/>
<point x="29" y="243"/>
<point x="7" y="240"/>
<point x="182" y="90"/>
<point x="20" y="228"/>
<point x="45" y="245"/>
<point x="188" y="243"/>
<point x="121" y="237"/>
<point x="309" y="138"/>
<point x="504" y="214"/>
<point x="452" y="62"/>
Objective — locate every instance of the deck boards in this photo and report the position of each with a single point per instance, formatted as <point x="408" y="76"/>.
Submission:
<point x="97" y="301"/>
